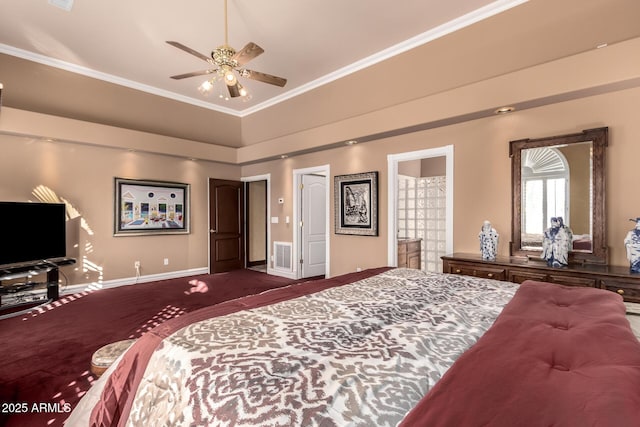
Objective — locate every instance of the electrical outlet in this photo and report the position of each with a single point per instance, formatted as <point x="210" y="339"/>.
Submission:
<point x="166" y="261"/>
<point x="136" y="264"/>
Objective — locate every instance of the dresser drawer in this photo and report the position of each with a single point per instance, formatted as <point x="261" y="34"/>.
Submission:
<point x="476" y="271"/>
<point x="519" y="276"/>
<point x="455" y="268"/>
<point x="630" y="291"/>
<point x="491" y="273"/>
<point x="573" y="281"/>
<point x="517" y="270"/>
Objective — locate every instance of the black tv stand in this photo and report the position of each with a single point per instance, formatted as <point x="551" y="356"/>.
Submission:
<point x="11" y="272"/>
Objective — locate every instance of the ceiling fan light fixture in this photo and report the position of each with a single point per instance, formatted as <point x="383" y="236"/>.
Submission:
<point x="226" y="62"/>
<point x="230" y="78"/>
<point x="242" y="90"/>
<point x="206" y="87"/>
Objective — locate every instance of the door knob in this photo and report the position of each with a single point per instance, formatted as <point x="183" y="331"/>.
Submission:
<point x="212" y="231"/>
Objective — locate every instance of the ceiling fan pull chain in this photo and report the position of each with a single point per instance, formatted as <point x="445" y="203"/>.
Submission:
<point x="226" y="31"/>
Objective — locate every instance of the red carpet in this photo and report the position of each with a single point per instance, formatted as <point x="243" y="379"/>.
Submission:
<point x="45" y="359"/>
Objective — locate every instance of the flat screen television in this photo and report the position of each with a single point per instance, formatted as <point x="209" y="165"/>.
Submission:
<point x="32" y="232"/>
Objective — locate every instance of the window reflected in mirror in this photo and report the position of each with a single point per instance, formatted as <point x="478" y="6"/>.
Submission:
<point x="556" y="182"/>
<point x="545" y="177"/>
<point x="560" y="176"/>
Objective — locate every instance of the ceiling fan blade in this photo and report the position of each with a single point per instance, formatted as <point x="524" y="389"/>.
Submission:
<point x="234" y="91"/>
<point x="193" y="74"/>
<point x="247" y="53"/>
<point x="262" y="77"/>
<point x="191" y="51"/>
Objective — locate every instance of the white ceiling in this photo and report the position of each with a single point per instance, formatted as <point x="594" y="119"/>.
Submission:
<point x="310" y="43"/>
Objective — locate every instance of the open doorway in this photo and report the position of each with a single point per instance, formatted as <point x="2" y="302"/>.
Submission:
<point x="420" y="186"/>
<point x="238" y="223"/>
<point x="257" y="226"/>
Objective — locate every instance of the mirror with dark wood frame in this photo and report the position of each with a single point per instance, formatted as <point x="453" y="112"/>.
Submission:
<point x="560" y="176"/>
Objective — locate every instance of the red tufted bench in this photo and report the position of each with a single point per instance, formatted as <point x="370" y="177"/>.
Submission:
<point x="556" y="356"/>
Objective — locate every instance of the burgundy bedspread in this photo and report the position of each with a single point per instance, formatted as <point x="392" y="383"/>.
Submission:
<point x="556" y="356"/>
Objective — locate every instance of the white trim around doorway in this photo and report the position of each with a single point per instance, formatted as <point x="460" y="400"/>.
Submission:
<point x="392" y="191"/>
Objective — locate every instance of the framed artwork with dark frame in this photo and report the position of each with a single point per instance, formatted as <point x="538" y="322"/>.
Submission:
<point x="356" y="204"/>
<point x="145" y="207"/>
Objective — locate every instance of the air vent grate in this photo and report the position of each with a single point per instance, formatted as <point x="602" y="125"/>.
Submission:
<point x="282" y="256"/>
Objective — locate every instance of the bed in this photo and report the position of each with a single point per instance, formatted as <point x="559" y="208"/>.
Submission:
<point x="383" y="347"/>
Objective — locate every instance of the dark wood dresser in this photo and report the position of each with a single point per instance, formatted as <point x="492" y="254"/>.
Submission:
<point x="613" y="278"/>
<point x="410" y="253"/>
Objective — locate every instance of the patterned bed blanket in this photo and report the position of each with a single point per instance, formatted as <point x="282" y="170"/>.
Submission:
<point x="359" y="354"/>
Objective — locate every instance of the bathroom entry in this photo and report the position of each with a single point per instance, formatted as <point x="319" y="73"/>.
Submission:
<point x="421" y="188"/>
<point x="422" y="207"/>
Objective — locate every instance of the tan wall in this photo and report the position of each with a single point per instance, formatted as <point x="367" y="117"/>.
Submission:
<point x="410" y="168"/>
<point x="433" y="166"/>
<point x="482" y="173"/>
<point x="84" y="175"/>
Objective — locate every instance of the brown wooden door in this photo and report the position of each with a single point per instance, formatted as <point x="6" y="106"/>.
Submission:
<point x="226" y="225"/>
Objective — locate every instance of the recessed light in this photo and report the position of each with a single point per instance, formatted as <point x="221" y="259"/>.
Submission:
<point x="284" y="156"/>
<point x="601" y="45"/>
<point x="504" y="110"/>
<point x="351" y="142"/>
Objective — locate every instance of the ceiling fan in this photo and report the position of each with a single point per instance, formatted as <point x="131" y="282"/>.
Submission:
<point x="228" y="62"/>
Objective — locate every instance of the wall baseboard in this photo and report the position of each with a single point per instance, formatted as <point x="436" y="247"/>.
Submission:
<point x="127" y="281"/>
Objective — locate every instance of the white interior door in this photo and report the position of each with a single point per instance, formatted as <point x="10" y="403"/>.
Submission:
<point x="313" y="227"/>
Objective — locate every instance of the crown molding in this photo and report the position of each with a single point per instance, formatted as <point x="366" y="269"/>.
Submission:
<point x="419" y="40"/>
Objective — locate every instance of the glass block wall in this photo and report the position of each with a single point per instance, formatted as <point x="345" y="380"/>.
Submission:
<point x="421" y="213"/>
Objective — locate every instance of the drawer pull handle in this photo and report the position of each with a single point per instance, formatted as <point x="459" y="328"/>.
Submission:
<point x="458" y="270"/>
<point x="490" y="275"/>
<point x="620" y="291"/>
